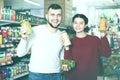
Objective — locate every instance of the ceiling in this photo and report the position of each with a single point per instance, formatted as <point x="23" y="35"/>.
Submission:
<point x="39" y="10"/>
<point x="21" y="4"/>
<point x="98" y="3"/>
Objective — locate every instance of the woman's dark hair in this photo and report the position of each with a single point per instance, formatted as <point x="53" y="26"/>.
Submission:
<point x="84" y="18"/>
<point x="80" y="16"/>
<point x="54" y="6"/>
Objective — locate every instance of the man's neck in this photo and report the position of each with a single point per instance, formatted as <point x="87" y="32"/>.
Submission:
<point x="51" y="29"/>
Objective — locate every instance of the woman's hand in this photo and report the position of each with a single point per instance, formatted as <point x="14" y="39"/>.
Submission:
<point x="102" y="34"/>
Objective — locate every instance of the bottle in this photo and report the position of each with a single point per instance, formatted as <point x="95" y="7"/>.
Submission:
<point x="26" y="23"/>
<point x="0" y="38"/>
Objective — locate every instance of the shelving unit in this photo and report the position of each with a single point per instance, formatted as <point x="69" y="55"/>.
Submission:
<point x="6" y="63"/>
<point x="112" y="68"/>
<point x="18" y="76"/>
<point x="11" y="70"/>
<point x="7" y="22"/>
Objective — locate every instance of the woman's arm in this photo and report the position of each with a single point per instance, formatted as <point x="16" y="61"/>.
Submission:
<point x="104" y="45"/>
<point x="67" y="53"/>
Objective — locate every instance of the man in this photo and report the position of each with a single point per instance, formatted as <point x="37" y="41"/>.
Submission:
<point x="45" y="45"/>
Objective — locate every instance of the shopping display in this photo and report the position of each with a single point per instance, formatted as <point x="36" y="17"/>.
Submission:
<point x="9" y="38"/>
<point x="113" y="65"/>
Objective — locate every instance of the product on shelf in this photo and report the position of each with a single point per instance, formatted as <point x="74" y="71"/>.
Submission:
<point x="7" y="14"/>
<point x="0" y="39"/>
<point x="2" y="56"/>
<point x="113" y="65"/>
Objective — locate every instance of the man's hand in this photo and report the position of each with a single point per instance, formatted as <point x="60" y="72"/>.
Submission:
<point x="23" y="31"/>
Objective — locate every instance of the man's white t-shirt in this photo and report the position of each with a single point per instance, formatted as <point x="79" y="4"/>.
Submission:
<point x="46" y="50"/>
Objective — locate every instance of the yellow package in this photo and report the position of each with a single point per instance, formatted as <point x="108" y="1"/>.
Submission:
<point x="26" y="23"/>
<point x="0" y="39"/>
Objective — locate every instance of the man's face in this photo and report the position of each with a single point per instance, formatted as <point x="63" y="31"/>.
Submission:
<point x="54" y="17"/>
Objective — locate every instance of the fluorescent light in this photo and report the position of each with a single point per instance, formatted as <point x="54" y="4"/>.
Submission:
<point x="31" y="2"/>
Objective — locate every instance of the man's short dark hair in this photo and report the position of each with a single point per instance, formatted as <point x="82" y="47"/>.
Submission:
<point x="54" y="6"/>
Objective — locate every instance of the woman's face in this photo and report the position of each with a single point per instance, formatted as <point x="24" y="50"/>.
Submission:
<point x="79" y="25"/>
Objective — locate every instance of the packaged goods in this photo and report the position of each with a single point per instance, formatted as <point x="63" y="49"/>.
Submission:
<point x="103" y="24"/>
<point x="66" y="38"/>
<point x="2" y="56"/>
<point x="0" y="39"/>
<point x="26" y="23"/>
<point x="69" y="63"/>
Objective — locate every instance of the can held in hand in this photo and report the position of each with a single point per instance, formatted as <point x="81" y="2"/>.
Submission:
<point x="66" y="38"/>
<point x="26" y="23"/>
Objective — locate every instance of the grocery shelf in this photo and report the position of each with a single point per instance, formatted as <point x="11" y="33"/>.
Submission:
<point x="5" y="63"/>
<point x="19" y="75"/>
<point x="6" y="45"/>
<point x="6" y="22"/>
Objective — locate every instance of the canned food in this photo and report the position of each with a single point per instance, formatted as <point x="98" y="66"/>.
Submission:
<point x="26" y="23"/>
<point x="66" y="38"/>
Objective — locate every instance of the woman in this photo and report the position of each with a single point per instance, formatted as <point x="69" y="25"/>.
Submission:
<point x="85" y="50"/>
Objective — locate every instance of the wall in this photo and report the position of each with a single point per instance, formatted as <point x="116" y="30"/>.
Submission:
<point x="1" y="3"/>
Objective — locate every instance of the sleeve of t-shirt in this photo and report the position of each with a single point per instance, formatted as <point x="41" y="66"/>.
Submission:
<point x="105" y="47"/>
<point x="24" y="46"/>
